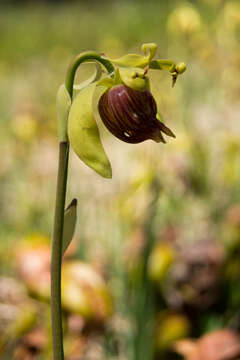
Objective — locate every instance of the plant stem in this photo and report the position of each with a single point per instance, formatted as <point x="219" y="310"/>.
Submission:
<point x="79" y="59"/>
<point x="56" y="258"/>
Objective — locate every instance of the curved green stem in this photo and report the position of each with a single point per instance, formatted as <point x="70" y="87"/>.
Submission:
<point x="79" y="59"/>
<point x="56" y="255"/>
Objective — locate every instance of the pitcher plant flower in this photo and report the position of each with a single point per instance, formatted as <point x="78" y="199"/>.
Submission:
<point x="131" y="115"/>
<point x="128" y="110"/>
<point x="126" y="105"/>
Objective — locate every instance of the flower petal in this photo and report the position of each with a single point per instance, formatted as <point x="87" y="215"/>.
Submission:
<point x="163" y="127"/>
<point x="134" y="78"/>
<point x="135" y="60"/>
<point x="84" y="134"/>
<point x="151" y="49"/>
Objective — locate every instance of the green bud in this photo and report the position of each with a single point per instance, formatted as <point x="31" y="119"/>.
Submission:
<point x="180" y="68"/>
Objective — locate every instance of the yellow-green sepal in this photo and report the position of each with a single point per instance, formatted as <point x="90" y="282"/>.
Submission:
<point x="84" y="134"/>
<point x="70" y="219"/>
<point x="149" y="49"/>
<point x="169" y="65"/>
<point x="106" y="82"/>
<point x="162" y="64"/>
<point x="134" y="78"/>
<point x="135" y="60"/>
<point x="117" y="77"/>
<point x="63" y="104"/>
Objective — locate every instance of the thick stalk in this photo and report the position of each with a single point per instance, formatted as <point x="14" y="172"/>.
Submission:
<point x="56" y="258"/>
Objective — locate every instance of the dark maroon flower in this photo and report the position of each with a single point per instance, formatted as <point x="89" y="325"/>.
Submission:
<point x="130" y="115"/>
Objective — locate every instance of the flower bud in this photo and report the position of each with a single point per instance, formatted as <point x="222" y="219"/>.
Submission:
<point x="180" y="68"/>
<point x="131" y="115"/>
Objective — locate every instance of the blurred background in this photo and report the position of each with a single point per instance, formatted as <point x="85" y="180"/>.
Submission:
<point x="153" y="271"/>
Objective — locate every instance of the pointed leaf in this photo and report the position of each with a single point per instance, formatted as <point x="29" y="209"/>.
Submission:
<point x="63" y="105"/>
<point x="70" y="218"/>
<point x="84" y="134"/>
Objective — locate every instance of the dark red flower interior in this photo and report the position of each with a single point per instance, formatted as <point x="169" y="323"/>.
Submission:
<point x="130" y="115"/>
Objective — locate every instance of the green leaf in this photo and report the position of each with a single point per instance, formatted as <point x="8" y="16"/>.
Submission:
<point x="135" y="60"/>
<point x="63" y="105"/>
<point x="95" y="77"/>
<point x="70" y="218"/>
<point x="84" y="134"/>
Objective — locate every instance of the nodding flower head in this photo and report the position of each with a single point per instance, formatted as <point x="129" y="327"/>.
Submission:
<point x="131" y="115"/>
<point x="126" y="105"/>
